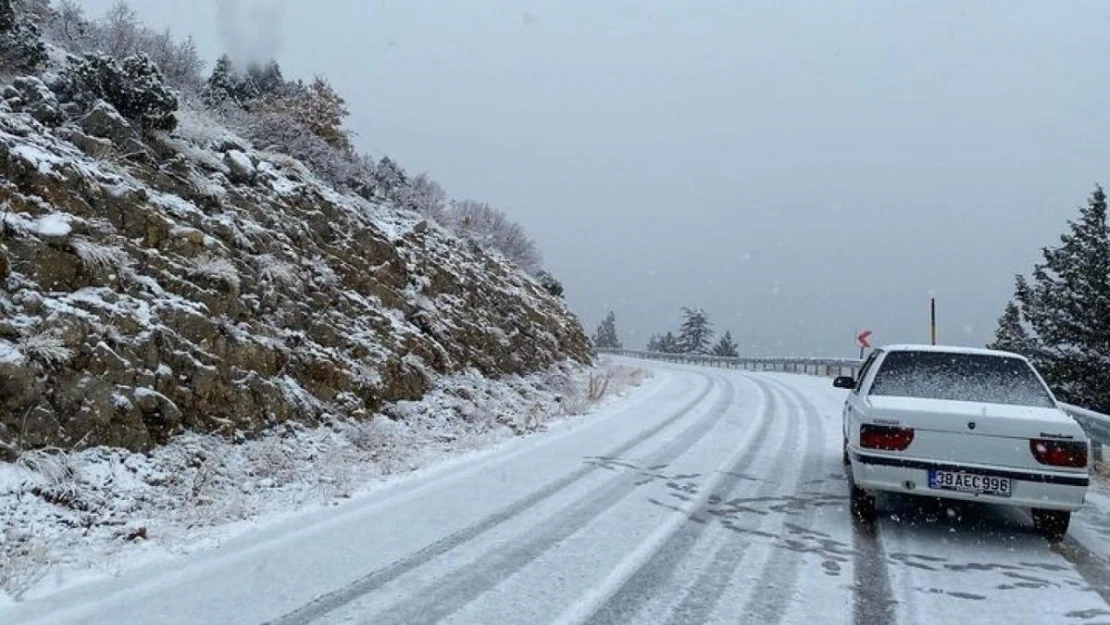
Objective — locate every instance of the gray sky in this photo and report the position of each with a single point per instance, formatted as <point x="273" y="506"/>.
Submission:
<point x="799" y="169"/>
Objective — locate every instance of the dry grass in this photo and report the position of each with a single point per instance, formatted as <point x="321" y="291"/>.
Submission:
<point x="597" y="385"/>
<point x="46" y="348"/>
<point x="215" y="268"/>
<point x="609" y="380"/>
<point x="24" y="562"/>
<point x="100" y="259"/>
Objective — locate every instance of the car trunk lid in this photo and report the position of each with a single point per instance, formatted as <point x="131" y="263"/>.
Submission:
<point x="975" y="433"/>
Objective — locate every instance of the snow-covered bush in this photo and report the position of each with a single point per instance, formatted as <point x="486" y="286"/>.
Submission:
<point x="134" y="87"/>
<point x="215" y="268"/>
<point x="385" y="441"/>
<point x="45" y="348"/>
<point x="271" y="459"/>
<point x="549" y="283"/>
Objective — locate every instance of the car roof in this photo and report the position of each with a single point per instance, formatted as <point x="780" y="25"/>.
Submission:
<point x="950" y="349"/>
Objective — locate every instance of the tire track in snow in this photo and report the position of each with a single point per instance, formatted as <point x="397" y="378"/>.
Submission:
<point x="1089" y="566"/>
<point x="465" y="584"/>
<point x="330" y="602"/>
<point x="657" y="571"/>
<point x="874" y="601"/>
<point x="772" y="593"/>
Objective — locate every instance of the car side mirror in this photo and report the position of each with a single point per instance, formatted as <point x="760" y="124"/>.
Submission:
<point x="844" y="381"/>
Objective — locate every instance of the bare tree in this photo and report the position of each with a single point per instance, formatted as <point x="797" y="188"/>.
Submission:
<point x="69" y="24"/>
<point x="118" y="32"/>
<point x="490" y="228"/>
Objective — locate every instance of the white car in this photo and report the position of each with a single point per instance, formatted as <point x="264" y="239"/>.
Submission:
<point x="969" y="424"/>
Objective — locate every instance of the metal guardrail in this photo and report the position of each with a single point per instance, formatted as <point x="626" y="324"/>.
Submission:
<point x="828" y="367"/>
<point x="1096" y="425"/>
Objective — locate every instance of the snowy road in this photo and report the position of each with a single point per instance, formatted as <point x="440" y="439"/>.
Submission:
<point x="706" y="496"/>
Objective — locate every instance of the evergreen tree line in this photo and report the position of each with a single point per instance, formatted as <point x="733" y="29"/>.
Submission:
<point x="1059" y="316"/>
<point x="694" y="336"/>
<point x="147" y="73"/>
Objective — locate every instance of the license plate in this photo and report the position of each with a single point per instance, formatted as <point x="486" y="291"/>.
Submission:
<point x="969" y="483"/>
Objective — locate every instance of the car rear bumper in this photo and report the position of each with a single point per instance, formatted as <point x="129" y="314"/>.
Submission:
<point x="1031" y="489"/>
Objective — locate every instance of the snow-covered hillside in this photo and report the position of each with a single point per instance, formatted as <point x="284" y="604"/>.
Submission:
<point x="185" y="282"/>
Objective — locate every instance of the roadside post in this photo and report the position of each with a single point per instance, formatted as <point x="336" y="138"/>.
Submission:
<point x="861" y="338"/>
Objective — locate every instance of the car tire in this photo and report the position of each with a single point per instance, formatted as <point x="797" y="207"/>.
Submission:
<point x="862" y="503"/>
<point x="847" y="461"/>
<point x="1052" y="524"/>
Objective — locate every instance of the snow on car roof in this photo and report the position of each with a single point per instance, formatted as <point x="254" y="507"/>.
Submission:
<point x="949" y="349"/>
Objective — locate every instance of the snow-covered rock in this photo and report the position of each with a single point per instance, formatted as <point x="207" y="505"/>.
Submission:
<point x="104" y="121"/>
<point x="53" y="225"/>
<point x="239" y="165"/>
<point x="28" y="93"/>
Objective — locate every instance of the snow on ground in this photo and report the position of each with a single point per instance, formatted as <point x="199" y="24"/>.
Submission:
<point x="67" y="518"/>
<point x="712" y="496"/>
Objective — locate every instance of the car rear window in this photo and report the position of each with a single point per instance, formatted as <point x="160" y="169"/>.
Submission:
<point x="960" y="377"/>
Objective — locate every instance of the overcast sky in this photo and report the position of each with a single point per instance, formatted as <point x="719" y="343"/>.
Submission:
<point x="801" y="170"/>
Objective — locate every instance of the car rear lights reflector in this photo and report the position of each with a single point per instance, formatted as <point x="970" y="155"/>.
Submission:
<point x="1059" y="453"/>
<point x="885" y="437"/>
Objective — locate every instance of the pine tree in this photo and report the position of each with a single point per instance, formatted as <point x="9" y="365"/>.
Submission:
<point x="653" y="344"/>
<point x="726" y="347"/>
<point x="669" y="344"/>
<point x="1067" y="306"/>
<point x="266" y="79"/>
<point x="695" y="334"/>
<point x="1011" y="335"/>
<point x="220" y="87"/>
<point x="606" y="335"/>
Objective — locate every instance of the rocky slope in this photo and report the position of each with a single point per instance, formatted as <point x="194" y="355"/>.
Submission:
<point x="153" y="285"/>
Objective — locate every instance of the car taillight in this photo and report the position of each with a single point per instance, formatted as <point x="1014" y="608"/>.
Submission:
<point x="1059" y="453"/>
<point x="885" y="437"/>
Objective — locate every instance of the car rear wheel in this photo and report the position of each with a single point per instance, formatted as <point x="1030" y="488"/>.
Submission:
<point x="1052" y="524"/>
<point x="861" y="503"/>
<point x="846" y="459"/>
